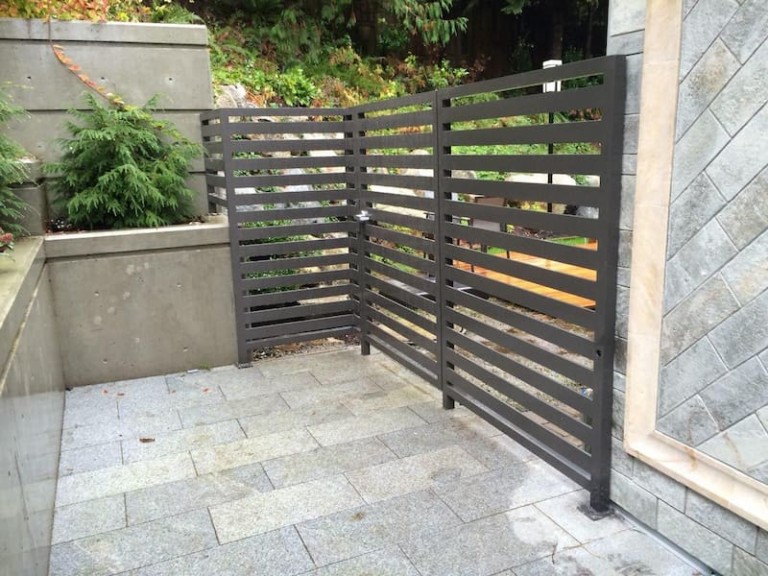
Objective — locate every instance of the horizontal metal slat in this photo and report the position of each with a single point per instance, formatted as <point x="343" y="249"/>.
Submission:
<point x="409" y="141"/>
<point x="289" y="145"/>
<point x="411" y="336"/>
<point x="399" y="200"/>
<point x="396" y="120"/>
<point x="545" y="330"/>
<point x="423" y="98"/>
<point x="582" y="257"/>
<point x="551" y="413"/>
<point x="250" y="234"/>
<point x="280" y="248"/>
<point x="314" y="261"/>
<point x="574" y="99"/>
<point x="407" y="314"/>
<point x="592" y="131"/>
<point x="580" y="69"/>
<point x="531" y="191"/>
<point x="292" y="163"/>
<point x="419" y="243"/>
<point x="554" y="308"/>
<point x="313" y="325"/>
<point x="559" y="223"/>
<point x="527" y="272"/>
<point x="403" y="293"/>
<point x="338" y="195"/>
<point x="423" y="225"/>
<point x="398" y="181"/>
<point x="297" y="127"/>
<point x="306" y="179"/>
<point x="547" y="359"/>
<point x="423" y="364"/>
<point x="289" y="214"/>
<point x="412" y="280"/>
<point x="258" y="344"/>
<point x="295" y="280"/>
<point x="528" y="163"/>
<point x="289" y="296"/>
<point x="424" y="265"/>
<point x="546" y="444"/>
<point x="285" y="314"/>
<point x="396" y="161"/>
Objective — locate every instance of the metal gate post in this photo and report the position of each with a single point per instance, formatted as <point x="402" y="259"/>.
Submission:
<point x="605" y="337"/>
<point x="243" y="353"/>
<point x="361" y="217"/>
<point x="440" y="264"/>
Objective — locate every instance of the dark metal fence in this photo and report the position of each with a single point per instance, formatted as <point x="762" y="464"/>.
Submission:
<point x="470" y="233"/>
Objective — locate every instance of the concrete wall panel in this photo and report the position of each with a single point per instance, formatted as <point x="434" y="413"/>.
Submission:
<point x="139" y="311"/>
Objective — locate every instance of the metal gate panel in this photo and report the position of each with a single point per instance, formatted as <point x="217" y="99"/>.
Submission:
<point x="445" y="228"/>
<point x="528" y="274"/>
<point x="283" y="177"/>
<point x="395" y="248"/>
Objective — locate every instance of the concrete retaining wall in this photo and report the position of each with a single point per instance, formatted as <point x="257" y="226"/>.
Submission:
<point x="136" y="61"/>
<point x="141" y="303"/>
<point x="89" y="308"/>
<point x="31" y="410"/>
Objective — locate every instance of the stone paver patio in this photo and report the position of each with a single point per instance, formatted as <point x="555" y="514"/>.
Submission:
<point x="324" y="464"/>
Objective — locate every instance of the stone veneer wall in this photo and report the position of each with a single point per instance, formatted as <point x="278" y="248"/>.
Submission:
<point x="713" y="380"/>
<point x="137" y="61"/>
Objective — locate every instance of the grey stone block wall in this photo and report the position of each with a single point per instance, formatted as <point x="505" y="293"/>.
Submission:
<point x="713" y="381"/>
<point x="137" y="61"/>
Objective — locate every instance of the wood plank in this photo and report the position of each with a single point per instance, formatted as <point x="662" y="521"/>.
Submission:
<point x="539" y="289"/>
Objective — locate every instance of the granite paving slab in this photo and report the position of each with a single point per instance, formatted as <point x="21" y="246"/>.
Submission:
<point x="348" y="534"/>
<point x="134" y="547"/>
<point x="159" y="445"/>
<point x="90" y="458"/>
<point x="334" y="393"/>
<point x="328" y="464"/>
<point x="118" y="479"/>
<point x="259" y="405"/>
<point x="277" y="553"/>
<point x="442" y="467"/>
<point x="504" y="489"/>
<point x="264" y="512"/>
<point x="201" y="492"/>
<point x="239" y="389"/>
<point x="388" y="562"/>
<point x="364" y="426"/>
<point x="88" y="518"/>
<point x="252" y="450"/>
<point x="284" y="420"/>
<point x="489" y="545"/>
<point x="327" y="461"/>
<point x="85" y="436"/>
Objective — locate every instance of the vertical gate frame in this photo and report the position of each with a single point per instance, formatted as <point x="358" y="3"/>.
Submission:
<point x="438" y="151"/>
<point x="600" y="463"/>
<point x="243" y="354"/>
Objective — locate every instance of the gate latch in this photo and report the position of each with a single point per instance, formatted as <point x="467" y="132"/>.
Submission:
<point x="363" y="216"/>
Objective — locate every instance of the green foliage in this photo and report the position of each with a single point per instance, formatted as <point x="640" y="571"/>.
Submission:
<point x="169" y="12"/>
<point x="12" y="171"/>
<point x="429" y="20"/>
<point x="123" y="168"/>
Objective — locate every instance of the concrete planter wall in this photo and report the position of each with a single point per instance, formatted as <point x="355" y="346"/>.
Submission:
<point x="137" y="61"/>
<point x="81" y="309"/>
<point x="31" y="410"/>
<point x="135" y="303"/>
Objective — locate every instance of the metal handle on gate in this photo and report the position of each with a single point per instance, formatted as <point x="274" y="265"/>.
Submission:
<point x="363" y="216"/>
